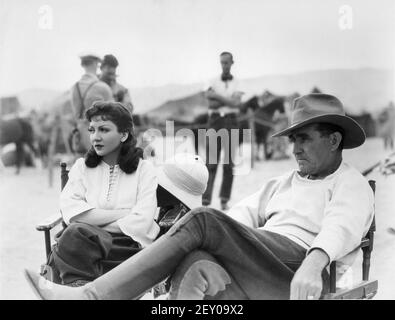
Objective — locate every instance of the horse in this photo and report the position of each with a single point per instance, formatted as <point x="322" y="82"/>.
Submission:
<point x="19" y="131"/>
<point x="264" y="108"/>
<point x="366" y="121"/>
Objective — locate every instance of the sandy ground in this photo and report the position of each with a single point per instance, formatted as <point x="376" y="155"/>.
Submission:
<point x="26" y="199"/>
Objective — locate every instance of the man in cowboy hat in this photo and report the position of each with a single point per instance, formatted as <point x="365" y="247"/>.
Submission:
<point x="276" y="243"/>
<point x="326" y="207"/>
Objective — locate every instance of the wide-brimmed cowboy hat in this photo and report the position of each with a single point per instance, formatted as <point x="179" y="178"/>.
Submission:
<point x="324" y="108"/>
<point x="185" y="176"/>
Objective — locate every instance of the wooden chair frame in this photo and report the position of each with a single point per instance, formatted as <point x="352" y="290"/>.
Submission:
<point x="365" y="289"/>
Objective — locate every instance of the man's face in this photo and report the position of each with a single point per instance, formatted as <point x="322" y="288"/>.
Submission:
<point x="312" y="151"/>
<point x="108" y="74"/>
<point x="226" y="63"/>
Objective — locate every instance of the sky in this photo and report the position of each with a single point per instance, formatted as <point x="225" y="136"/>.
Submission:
<point x="159" y="42"/>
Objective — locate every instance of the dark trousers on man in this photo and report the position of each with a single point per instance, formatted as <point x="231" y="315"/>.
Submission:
<point x="259" y="264"/>
<point x="222" y="124"/>
<point x="85" y="252"/>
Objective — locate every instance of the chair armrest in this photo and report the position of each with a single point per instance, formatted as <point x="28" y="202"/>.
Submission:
<point x="363" y="290"/>
<point x="49" y="223"/>
<point x="365" y="242"/>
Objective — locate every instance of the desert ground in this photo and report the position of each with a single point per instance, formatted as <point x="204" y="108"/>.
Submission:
<point x="26" y="199"/>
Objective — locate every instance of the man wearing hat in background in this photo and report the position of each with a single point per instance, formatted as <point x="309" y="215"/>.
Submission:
<point x="108" y="75"/>
<point x="83" y="93"/>
<point x="276" y="243"/>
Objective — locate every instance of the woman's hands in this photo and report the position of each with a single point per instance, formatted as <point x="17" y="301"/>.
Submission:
<point x="100" y="217"/>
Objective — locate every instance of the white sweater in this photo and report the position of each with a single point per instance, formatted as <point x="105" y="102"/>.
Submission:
<point x="332" y="214"/>
<point x="89" y="188"/>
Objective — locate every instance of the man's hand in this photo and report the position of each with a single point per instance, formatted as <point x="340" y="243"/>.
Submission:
<point x="214" y="98"/>
<point x="211" y="94"/>
<point x="307" y="281"/>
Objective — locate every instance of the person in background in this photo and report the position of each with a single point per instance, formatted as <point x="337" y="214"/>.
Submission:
<point x="108" y="75"/>
<point x="224" y="97"/>
<point x="83" y="93"/>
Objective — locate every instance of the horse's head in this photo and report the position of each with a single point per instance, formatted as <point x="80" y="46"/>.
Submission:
<point x="273" y="104"/>
<point x="252" y="104"/>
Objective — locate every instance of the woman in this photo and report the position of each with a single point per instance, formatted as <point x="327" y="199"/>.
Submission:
<point x="109" y="202"/>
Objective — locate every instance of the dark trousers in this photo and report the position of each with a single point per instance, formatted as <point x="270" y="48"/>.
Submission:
<point x="261" y="264"/>
<point x="85" y="252"/>
<point x="218" y="122"/>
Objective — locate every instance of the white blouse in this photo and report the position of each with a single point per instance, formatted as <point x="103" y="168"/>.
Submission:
<point x="108" y="187"/>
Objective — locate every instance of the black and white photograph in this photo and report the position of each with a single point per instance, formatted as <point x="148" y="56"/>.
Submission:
<point x="221" y="150"/>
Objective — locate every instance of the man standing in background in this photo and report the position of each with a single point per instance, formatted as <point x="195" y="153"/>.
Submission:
<point x="224" y="97"/>
<point x="108" y="75"/>
<point x="83" y="93"/>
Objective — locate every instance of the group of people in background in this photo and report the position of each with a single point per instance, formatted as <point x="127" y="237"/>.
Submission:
<point x="95" y="87"/>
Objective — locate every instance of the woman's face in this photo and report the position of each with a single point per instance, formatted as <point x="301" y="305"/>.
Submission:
<point x="105" y="138"/>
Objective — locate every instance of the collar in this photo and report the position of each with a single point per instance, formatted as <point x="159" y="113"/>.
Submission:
<point x="90" y="76"/>
<point x="306" y="177"/>
<point x="226" y="77"/>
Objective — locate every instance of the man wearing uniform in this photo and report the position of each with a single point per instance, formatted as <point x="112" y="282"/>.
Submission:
<point x="83" y="93"/>
<point x="224" y="97"/>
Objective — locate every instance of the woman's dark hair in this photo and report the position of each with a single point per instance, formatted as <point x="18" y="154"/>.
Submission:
<point x="129" y="155"/>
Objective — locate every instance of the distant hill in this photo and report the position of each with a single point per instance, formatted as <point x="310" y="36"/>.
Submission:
<point x="360" y="89"/>
<point x="37" y="98"/>
<point x="145" y="99"/>
<point x="184" y="109"/>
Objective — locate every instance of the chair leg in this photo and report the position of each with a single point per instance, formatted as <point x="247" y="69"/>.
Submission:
<point x="366" y="264"/>
<point x="332" y="277"/>
<point x="47" y="236"/>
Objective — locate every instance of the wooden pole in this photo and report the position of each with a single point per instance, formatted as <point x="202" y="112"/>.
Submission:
<point x="51" y="151"/>
<point x="251" y="124"/>
<point x="64" y="136"/>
